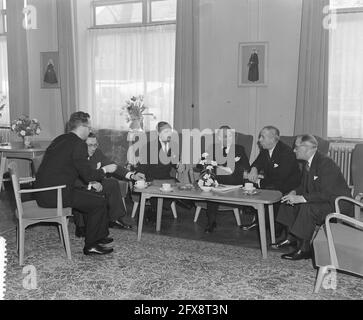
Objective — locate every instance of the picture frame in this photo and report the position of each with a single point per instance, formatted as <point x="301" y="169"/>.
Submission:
<point x="252" y="64"/>
<point x="49" y="70"/>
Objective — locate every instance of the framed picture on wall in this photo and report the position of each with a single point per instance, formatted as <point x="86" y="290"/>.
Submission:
<point x="49" y="70"/>
<point x="252" y="64"/>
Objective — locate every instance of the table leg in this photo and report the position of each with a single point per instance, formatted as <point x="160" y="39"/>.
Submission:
<point x="272" y="222"/>
<point x="2" y="170"/>
<point x="141" y="216"/>
<point x="262" y="227"/>
<point x="159" y="212"/>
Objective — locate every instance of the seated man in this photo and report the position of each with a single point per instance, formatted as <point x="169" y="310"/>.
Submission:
<point x="64" y="161"/>
<point x="108" y="187"/>
<point x="224" y="174"/>
<point x="307" y="206"/>
<point x="161" y="170"/>
<point x="275" y="167"/>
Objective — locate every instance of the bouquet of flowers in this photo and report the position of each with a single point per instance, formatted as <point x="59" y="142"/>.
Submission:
<point x="207" y="176"/>
<point x="135" y="108"/>
<point x="24" y="126"/>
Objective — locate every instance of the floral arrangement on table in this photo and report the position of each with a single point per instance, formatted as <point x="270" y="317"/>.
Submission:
<point x="24" y="126"/>
<point x="207" y="176"/>
<point x="135" y="109"/>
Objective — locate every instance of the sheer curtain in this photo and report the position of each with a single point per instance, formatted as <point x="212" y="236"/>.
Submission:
<point x="4" y="83"/>
<point x="345" y="113"/>
<point x="132" y="61"/>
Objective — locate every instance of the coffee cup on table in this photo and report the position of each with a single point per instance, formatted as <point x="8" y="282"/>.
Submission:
<point x="249" y="186"/>
<point x="166" y="186"/>
<point x="140" y="184"/>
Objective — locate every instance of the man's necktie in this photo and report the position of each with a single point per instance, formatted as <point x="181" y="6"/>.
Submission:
<point x="306" y="177"/>
<point x="224" y="151"/>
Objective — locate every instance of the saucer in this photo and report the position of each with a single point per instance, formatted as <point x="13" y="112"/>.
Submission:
<point x="166" y="190"/>
<point x="248" y="190"/>
<point x="140" y="188"/>
<point x="251" y="192"/>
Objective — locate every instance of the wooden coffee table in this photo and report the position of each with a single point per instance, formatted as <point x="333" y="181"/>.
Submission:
<point x="236" y="197"/>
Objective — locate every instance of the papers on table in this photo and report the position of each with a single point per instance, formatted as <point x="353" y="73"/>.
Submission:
<point x="226" y="187"/>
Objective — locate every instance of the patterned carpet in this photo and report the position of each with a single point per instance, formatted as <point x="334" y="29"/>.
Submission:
<point x="161" y="267"/>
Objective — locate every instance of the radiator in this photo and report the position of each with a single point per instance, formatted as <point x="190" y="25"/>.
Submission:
<point x="341" y="153"/>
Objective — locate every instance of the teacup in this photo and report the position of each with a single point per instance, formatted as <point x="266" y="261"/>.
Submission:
<point x="249" y="186"/>
<point x="140" y="184"/>
<point x="166" y="186"/>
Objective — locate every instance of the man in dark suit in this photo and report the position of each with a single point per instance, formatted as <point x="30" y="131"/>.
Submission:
<point x="307" y="206"/>
<point x="165" y="161"/>
<point x="65" y="160"/>
<point x="275" y="167"/>
<point x="109" y="187"/>
<point x="224" y="174"/>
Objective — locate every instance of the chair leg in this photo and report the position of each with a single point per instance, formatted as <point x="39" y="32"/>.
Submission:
<point x="319" y="280"/>
<point x="173" y="209"/>
<point x="61" y="234"/>
<point x="236" y="215"/>
<point x="21" y="231"/>
<point x="134" y="209"/>
<point x="65" y="236"/>
<point x="197" y="211"/>
<point x="124" y="203"/>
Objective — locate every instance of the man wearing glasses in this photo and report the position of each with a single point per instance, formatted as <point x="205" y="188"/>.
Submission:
<point x="65" y="161"/>
<point x="107" y="187"/>
<point x="307" y="206"/>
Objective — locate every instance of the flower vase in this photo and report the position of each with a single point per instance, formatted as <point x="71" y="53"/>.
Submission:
<point x="136" y="124"/>
<point x="27" y="142"/>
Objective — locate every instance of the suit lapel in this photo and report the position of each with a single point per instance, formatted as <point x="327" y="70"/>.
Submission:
<point x="313" y="173"/>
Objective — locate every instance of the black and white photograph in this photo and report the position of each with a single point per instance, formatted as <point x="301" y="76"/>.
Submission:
<point x="181" y="158"/>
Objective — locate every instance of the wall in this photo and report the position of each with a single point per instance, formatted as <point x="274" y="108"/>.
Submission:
<point x="45" y="104"/>
<point x="222" y="25"/>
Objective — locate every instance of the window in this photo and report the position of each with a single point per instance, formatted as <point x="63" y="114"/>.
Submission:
<point x="4" y="83"/>
<point x="132" y="46"/>
<point x="345" y="96"/>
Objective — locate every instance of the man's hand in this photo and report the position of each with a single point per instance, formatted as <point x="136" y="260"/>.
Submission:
<point x="110" y="168"/>
<point x="138" y="176"/>
<point x="180" y="167"/>
<point x="293" y="199"/>
<point x="97" y="186"/>
<point x="253" y="175"/>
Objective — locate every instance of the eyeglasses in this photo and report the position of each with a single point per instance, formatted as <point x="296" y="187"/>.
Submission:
<point x="92" y="145"/>
<point x="301" y="145"/>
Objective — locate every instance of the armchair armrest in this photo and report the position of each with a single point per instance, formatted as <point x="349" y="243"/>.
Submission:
<point x="42" y="189"/>
<point x="358" y="204"/>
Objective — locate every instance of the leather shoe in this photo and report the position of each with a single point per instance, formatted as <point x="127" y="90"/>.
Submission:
<point x="119" y="225"/>
<point x="80" y="232"/>
<point x="210" y="228"/>
<point x="97" y="249"/>
<point x="250" y="226"/>
<point x="106" y="240"/>
<point x="283" y="244"/>
<point x="297" y="255"/>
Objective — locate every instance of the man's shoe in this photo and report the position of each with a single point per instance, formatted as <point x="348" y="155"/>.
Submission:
<point x="248" y="227"/>
<point x="106" y="240"/>
<point x="297" y="255"/>
<point x="80" y="232"/>
<point x="210" y="228"/>
<point x="97" y="249"/>
<point x="283" y="244"/>
<point x="119" y="224"/>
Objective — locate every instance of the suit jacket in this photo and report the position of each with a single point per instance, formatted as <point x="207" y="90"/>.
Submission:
<point x="240" y="165"/>
<point x="281" y="171"/>
<point x="324" y="182"/>
<point x="98" y="160"/>
<point x="158" y="170"/>
<point x="64" y="161"/>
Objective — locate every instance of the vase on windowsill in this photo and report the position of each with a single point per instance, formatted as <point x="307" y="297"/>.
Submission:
<point x="136" y="124"/>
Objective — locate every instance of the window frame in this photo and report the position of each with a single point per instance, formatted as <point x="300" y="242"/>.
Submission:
<point x="146" y="15"/>
<point x="4" y="17"/>
<point x="347" y="10"/>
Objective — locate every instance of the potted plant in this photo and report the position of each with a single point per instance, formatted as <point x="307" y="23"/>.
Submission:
<point x="135" y="109"/>
<point x="207" y="179"/>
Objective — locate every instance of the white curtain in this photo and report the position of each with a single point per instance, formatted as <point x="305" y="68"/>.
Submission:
<point x="127" y="62"/>
<point x="4" y="83"/>
<point x="345" y="114"/>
